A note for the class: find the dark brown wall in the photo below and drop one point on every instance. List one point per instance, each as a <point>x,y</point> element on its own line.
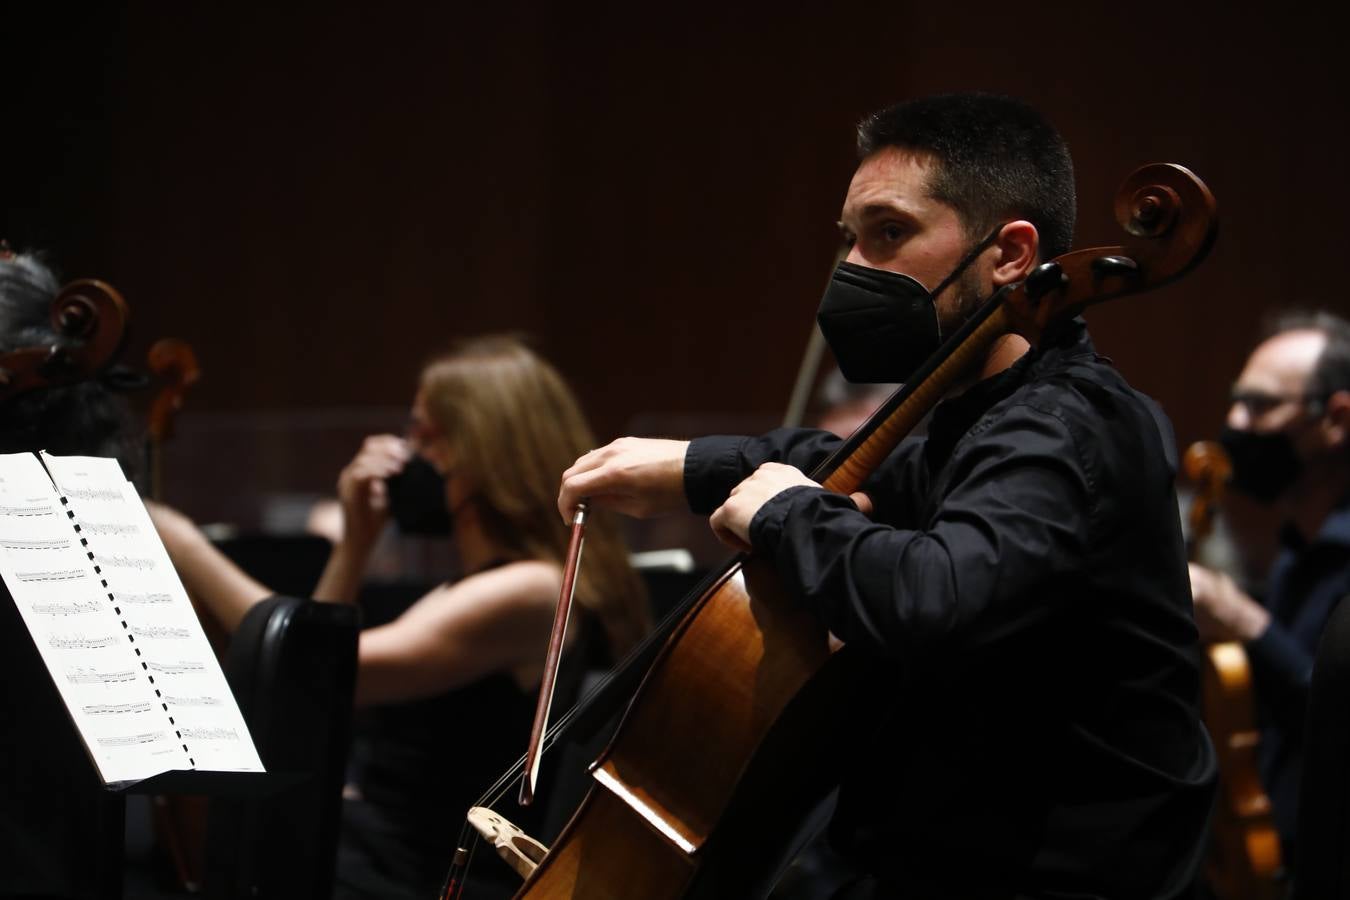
<point>317,201</point>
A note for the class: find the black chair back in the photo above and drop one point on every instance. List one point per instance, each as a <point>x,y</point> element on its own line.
<point>292,666</point>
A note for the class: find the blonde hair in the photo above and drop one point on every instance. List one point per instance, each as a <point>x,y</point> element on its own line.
<point>513,427</point>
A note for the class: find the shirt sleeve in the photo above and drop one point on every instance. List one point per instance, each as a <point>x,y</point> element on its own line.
<point>1017,511</point>
<point>714,465</point>
<point>1282,674</point>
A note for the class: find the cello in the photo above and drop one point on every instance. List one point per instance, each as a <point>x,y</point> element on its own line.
<point>745,694</point>
<point>1244,860</point>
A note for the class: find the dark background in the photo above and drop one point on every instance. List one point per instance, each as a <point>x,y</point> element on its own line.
<point>317,199</point>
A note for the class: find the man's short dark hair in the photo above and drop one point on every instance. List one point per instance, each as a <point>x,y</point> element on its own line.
<point>1332,370</point>
<point>997,159</point>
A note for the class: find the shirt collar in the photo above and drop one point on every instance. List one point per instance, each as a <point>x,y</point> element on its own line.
<point>954,417</point>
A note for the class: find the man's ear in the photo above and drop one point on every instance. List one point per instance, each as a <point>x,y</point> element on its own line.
<point>1336,420</point>
<point>1017,252</point>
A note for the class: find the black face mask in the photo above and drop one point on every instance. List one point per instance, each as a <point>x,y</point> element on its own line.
<point>417,499</point>
<point>1264,465</point>
<point>882,325</point>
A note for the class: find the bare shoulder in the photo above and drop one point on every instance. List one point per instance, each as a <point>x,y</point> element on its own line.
<point>527,580</point>
<point>526,584</point>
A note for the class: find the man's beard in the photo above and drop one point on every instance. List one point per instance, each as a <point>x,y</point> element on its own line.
<point>970,297</point>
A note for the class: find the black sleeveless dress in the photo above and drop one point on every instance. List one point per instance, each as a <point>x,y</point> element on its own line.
<point>418,766</point>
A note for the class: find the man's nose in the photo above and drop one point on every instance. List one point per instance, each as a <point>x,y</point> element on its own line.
<point>1238,417</point>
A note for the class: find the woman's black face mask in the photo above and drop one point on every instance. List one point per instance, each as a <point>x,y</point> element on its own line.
<point>882,325</point>
<point>417,499</point>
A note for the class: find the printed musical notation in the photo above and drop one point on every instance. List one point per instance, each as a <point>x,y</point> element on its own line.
<point>205,700</point>
<point>115,528</point>
<point>162,632</point>
<point>17,544</point>
<point>131,740</point>
<point>87,675</point>
<point>67,608</point>
<point>106,495</point>
<point>73,537</point>
<point>58,575</point>
<point>118,561</point>
<point>178,668</point>
<point>144,599</point>
<point>79,642</point>
<point>117,709</point>
<point>210,734</point>
<point>35,508</point>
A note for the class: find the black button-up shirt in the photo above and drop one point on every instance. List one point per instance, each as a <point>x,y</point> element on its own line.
<point>1022,599</point>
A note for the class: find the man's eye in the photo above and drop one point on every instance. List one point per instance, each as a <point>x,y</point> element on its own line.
<point>892,232</point>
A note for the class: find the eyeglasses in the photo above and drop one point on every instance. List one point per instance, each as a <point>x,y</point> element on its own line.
<point>1258,403</point>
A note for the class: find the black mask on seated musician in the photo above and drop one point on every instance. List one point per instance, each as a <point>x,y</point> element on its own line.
<point>1016,579</point>
<point>881,325</point>
<point>417,499</point>
<point>448,686</point>
<point>1287,433</point>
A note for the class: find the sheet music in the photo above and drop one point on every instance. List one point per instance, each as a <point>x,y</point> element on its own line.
<point>113,623</point>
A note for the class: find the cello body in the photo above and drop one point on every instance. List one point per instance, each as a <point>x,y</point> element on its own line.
<point>1244,861</point>
<point>665,783</point>
<point>740,724</point>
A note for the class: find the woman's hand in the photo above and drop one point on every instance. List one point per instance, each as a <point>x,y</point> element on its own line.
<point>361,487</point>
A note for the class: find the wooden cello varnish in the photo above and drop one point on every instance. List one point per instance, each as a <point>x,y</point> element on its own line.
<point>1244,861</point>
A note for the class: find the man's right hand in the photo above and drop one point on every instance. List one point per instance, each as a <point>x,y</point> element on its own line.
<point>1222,611</point>
<point>639,477</point>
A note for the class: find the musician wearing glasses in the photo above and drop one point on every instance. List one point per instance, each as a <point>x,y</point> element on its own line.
<point>1288,434</point>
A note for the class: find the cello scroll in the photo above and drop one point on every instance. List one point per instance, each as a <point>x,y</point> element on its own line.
<point>89,318</point>
<point>1170,223</point>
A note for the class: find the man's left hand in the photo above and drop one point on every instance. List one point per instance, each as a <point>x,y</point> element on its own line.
<point>731,521</point>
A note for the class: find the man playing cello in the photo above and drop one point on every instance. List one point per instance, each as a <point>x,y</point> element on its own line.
<point>1016,581</point>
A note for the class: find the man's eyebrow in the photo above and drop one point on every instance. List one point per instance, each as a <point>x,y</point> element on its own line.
<point>876,210</point>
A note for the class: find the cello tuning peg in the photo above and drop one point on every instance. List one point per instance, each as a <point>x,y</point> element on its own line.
<point>1107,266</point>
<point>1045,278</point>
